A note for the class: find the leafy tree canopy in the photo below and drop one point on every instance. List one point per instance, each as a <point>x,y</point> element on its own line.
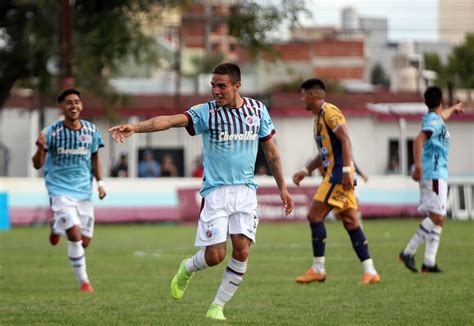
<point>461,63</point>
<point>106,33</point>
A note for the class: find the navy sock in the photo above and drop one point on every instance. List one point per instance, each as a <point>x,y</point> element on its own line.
<point>359,242</point>
<point>318,234</point>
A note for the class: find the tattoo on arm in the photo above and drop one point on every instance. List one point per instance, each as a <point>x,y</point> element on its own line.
<point>275,167</point>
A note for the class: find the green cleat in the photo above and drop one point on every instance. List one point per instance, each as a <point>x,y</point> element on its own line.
<point>180,281</point>
<point>215,312</point>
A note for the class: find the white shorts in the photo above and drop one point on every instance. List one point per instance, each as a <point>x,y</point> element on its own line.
<point>433,196</point>
<point>69,211</point>
<point>227,210</point>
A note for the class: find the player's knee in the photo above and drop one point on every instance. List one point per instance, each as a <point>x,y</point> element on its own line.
<point>350,222</point>
<point>214,257</point>
<point>74,234</point>
<point>241,254</point>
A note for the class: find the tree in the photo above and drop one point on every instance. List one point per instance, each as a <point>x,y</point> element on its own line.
<point>461,63</point>
<point>433,62</point>
<point>378,76</point>
<point>255,23</point>
<point>106,33</point>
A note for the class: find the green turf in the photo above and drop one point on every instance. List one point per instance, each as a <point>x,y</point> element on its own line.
<point>131,267</point>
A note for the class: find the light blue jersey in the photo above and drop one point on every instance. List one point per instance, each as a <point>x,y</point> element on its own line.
<point>68,169</point>
<point>230,139</point>
<point>436,147</point>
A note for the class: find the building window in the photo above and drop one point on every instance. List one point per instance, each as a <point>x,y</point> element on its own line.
<point>393,162</point>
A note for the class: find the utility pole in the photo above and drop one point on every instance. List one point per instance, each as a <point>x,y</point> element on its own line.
<point>66,44</point>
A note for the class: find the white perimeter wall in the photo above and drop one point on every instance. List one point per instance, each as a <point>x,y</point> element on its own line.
<point>370,141</point>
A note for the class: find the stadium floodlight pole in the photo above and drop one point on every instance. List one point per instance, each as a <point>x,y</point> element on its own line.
<point>66,44</point>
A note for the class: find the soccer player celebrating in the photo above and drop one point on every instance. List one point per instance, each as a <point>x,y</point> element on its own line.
<point>231,126</point>
<point>430,153</point>
<point>69,149</point>
<point>336,191</point>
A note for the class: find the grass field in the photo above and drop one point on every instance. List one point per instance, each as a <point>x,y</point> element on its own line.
<point>131,267</point>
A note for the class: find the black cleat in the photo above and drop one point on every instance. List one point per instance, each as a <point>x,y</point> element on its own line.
<point>408,261</point>
<point>431,269</point>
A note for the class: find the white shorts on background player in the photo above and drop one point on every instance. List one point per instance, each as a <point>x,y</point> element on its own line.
<point>69,211</point>
<point>227,210</point>
<point>433,196</point>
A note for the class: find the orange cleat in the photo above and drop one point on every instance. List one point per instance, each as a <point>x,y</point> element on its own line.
<point>86,287</point>
<point>310,276</point>
<point>54,238</point>
<point>368,278</point>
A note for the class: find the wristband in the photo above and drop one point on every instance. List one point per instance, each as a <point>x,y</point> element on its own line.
<point>305,170</point>
<point>100,183</point>
<point>346,169</point>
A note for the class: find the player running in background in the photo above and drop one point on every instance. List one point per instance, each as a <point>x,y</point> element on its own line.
<point>231,126</point>
<point>69,151</point>
<point>430,153</point>
<point>336,191</point>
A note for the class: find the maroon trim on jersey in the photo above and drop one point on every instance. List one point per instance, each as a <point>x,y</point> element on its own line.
<point>221,117</point>
<point>436,186</point>
<point>230,126</point>
<point>190,126</point>
<point>239,116</point>
<point>234,122</point>
<point>209,122</point>
<point>246,111</point>
<point>260,106</point>
<point>270,135</point>
<point>253,112</point>
<point>216,124</point>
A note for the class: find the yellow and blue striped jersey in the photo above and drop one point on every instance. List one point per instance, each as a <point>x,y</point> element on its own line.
<point>326,123</point>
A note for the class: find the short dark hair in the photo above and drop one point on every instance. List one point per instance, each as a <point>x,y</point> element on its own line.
<point>67,92</point>
<point>230,69</point>
<point>433,97</point>
<point>313,83</point>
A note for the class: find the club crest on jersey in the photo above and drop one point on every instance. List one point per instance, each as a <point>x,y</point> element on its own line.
<point>85,139</point>
<point>252,120</point>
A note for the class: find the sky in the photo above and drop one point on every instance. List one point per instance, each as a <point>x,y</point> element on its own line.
<point>407,19</point>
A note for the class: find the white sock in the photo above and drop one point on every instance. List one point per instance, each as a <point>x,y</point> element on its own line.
<point>432,245</point>
<point>233,275</point>
<point>197,262</point>
<point>318,264</point>
<point>421,233</point>
<point>369,267</point>
<point>77,258</point>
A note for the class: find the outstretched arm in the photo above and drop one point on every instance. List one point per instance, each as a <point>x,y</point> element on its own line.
<point>274,162</point>
<point>456,108</point>
<point>164,122</point>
